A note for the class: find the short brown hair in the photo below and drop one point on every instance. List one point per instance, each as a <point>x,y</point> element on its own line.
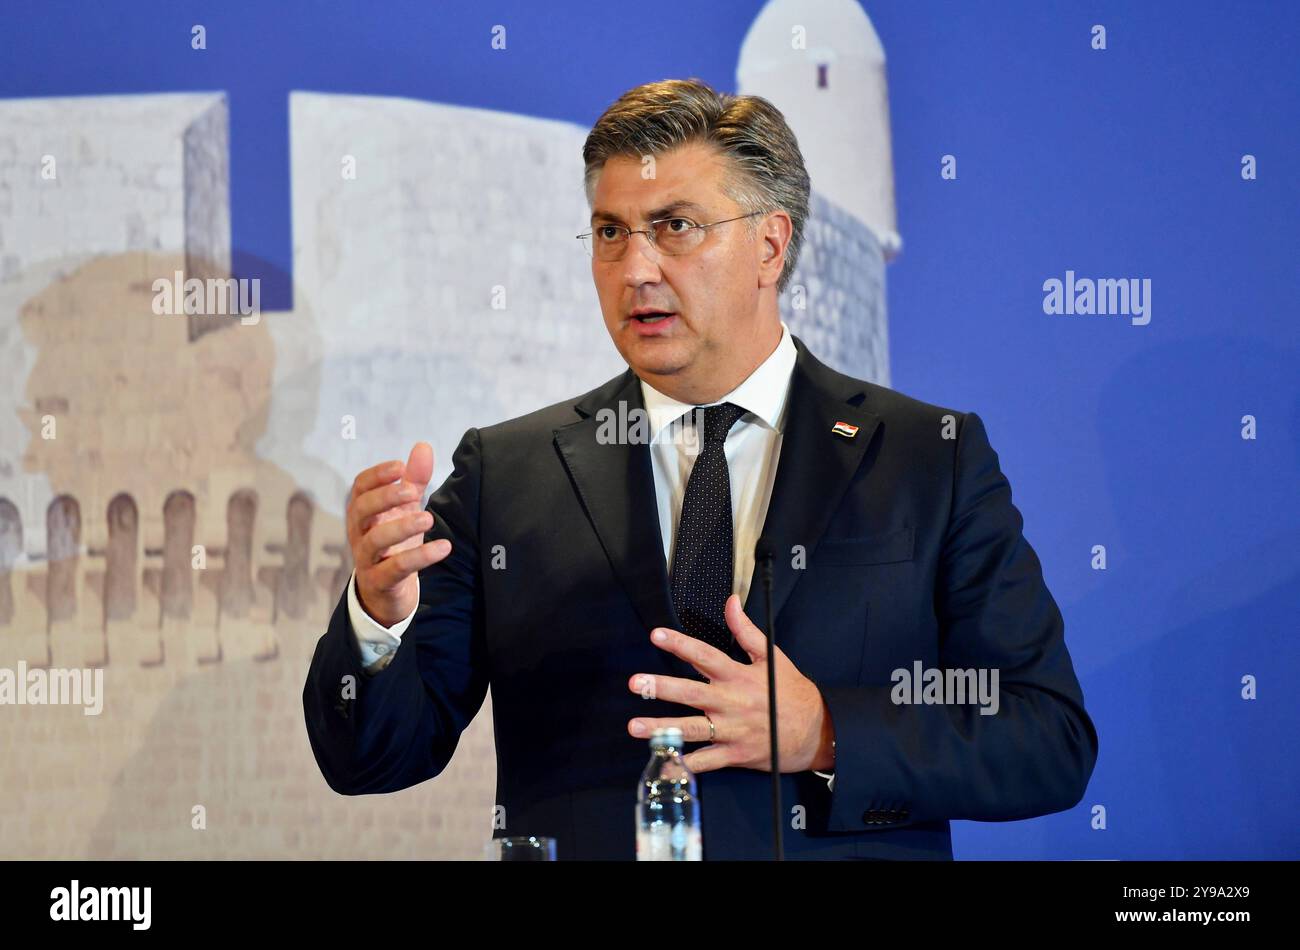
<point>751,132</point>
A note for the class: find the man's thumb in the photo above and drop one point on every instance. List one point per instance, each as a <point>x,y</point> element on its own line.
<point>419,467</point>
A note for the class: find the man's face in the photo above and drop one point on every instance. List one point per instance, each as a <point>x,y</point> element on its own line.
<point>711,292</point>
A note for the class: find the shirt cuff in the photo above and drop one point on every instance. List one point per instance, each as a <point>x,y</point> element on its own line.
<point>377,642</point>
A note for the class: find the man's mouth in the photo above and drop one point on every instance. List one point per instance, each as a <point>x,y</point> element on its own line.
<point>653,323</point>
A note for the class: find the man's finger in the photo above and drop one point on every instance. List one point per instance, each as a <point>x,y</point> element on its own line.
<point>419,466</point>
<point>365,507</point>
<point>673,689</point>
<point>389,534</point>
<point>373,477</point>
<point>709,660</point>
<point>393,569</point>
<point>708,759</point>
<point>694,728</point>
<point>751,639</point>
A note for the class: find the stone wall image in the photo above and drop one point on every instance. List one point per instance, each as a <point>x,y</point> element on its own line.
<point>146,440</point>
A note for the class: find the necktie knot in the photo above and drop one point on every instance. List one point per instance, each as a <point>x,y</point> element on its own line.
<point>718,421</point>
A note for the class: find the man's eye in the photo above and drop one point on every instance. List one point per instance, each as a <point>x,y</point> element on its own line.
<point>608,232</point>
<point>686,224</point>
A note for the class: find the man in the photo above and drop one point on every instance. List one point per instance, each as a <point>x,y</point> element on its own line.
<point>594,561</point>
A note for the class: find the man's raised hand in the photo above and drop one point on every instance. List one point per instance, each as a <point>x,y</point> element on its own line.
<point>386,524</point>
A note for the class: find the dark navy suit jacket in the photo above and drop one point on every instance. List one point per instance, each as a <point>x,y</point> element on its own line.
<point>912,550</point>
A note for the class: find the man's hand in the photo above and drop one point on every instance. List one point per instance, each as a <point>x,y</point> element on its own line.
<point>385,523</point>
<point>735,698</point>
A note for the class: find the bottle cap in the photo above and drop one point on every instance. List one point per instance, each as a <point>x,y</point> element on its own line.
<point>666,736</point>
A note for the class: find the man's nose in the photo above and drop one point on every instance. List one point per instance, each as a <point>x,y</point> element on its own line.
<point>640,260</point>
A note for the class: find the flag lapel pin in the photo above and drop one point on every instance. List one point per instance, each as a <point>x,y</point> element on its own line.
<point>844,429</point>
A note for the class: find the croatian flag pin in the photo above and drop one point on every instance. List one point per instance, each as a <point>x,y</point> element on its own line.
<point>844,429</point>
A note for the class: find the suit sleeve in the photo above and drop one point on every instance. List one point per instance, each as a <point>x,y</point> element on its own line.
<point>904,764</point>
<point>399,727</point>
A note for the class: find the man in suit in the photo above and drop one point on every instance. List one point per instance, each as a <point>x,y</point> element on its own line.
<point>594,561</point>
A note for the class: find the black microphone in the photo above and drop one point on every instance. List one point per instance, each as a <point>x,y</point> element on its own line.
<point>763,554</point>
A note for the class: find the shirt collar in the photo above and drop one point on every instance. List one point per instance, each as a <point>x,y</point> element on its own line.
<point>763,392</point>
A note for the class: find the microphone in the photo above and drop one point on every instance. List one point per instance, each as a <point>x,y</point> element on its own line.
<point>764,552</point>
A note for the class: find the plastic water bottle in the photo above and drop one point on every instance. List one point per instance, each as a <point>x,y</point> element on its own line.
<point>667,809</point>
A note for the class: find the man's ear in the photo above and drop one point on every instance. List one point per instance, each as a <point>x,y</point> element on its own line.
<point>774,233</point>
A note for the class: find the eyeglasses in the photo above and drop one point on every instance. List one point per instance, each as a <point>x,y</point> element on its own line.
<point>671,236</point>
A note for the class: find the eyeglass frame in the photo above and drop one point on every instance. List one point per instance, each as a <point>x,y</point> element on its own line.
<point>649,233</point>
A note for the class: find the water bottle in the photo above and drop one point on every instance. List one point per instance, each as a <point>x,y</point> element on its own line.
<point>667,809</point>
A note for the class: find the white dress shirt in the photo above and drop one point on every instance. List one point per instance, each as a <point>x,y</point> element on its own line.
<point>753,448</point>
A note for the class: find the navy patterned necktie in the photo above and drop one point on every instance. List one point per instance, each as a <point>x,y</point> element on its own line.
<point>702,553</point>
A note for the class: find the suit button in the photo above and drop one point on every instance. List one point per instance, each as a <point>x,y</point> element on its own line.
<point>342,708</point>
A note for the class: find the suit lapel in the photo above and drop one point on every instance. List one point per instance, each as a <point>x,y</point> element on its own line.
<point>812,474</point>
<point>615,483</point>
